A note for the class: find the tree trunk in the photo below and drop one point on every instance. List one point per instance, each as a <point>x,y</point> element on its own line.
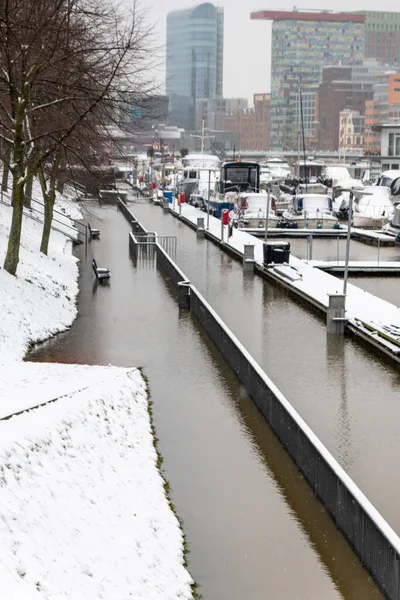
<point>28,193</point>
<point>12,256</point>
<point>62,173</point>
<point>48,218</point>
<point>49,197</point>
<point>18,187</point>
<point>6,170</point>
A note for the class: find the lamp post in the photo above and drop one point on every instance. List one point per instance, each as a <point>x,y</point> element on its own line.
<point>267,212</point>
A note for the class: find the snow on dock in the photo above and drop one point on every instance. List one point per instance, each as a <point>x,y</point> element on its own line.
<point>373,318</point>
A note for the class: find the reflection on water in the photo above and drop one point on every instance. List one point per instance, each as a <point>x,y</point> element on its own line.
<point>335,248</point>
<point>349,400</point>
<point>254,527</point>
<point>387,288</point>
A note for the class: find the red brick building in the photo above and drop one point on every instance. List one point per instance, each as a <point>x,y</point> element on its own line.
<point>252,124</point>
<point>337,92</point>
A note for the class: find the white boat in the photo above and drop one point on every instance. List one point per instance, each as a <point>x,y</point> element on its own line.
<point>373,207</point>
<point>339,176</point>
<point>250,211</point>
<point>393,227</point>
<point>199,171</point>
<point>391,180</point>
<point>311,211</point>
<point>278,168</point>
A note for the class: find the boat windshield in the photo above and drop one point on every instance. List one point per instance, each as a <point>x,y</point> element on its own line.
<point>241,175</point>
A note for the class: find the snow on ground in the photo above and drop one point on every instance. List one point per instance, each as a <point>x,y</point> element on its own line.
<point>312,282</point>
<point>83,512</point>
<point>40,301</point>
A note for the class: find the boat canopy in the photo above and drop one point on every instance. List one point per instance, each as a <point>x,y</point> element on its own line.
<point>313,202</point>
<point>375,196</point>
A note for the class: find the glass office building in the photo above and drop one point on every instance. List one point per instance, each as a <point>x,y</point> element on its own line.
<point>302,43</point>
<point>194,60</point>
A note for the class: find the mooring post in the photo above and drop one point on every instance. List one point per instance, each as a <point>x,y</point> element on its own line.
<point>184,294</point>
<point>200,228</point>
<point>248,258</point>
<point>336,320</point>
<point>165,204</point>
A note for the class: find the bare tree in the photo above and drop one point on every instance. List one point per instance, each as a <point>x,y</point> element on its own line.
<point>60,62</point>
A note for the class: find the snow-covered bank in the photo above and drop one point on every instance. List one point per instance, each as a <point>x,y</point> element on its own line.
<point>40,301</point>
<point>83,512</point>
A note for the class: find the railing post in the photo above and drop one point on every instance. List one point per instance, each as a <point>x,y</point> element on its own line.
<point>336,320</point>
<point>200,231</point>
<point>248,258</point>
<point>184,294</point>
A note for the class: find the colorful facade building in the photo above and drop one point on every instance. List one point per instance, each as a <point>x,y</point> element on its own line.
<point>194,65</point>
<point>302,43</point>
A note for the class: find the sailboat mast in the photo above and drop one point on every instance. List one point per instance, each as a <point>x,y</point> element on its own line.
<point>302,133</point>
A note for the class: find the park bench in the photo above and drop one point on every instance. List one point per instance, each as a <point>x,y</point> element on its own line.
<point>100,272</point>
<point>94,234</point>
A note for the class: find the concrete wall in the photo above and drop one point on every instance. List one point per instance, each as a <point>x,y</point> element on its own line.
<point>372,539</point>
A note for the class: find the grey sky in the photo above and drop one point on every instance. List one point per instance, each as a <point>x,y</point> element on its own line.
<point>247,43</point>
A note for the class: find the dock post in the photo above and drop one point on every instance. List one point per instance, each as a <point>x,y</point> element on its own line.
<point>336,320</point>
<point>200,231</point>
<point>248,258</point>
<point>165,204</point>
<point>184,294</point>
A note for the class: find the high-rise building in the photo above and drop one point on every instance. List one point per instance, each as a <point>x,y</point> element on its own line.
<point>382,36</point>
<point>194,60</point>
<point>303,42</point>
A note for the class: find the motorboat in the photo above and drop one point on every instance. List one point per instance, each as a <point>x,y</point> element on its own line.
<point>309,170</point>
<point>286,193</point>
<point>234,177</point>
<point>391,180</point>
<point>373,207</point>
<point>250,211</point>
<point>393,226</point>
<point>278,168</point>
<point>199,174</point>
<point>313,211</point>
<point>339,177</point>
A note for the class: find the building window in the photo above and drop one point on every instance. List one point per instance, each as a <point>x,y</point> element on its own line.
<point>394,144</point>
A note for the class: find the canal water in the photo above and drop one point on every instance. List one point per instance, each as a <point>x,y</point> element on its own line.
<point>334,249</point>
<point>348,395</point>
<point>253,526</point>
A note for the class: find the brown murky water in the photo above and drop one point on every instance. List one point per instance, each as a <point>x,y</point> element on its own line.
<point>253,525</point>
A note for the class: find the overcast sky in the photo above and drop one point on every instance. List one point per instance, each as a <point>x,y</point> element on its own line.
<point>247,43</point>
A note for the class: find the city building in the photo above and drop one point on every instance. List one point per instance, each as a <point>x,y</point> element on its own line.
<point>382,36</point>
<point>337,91</point>
<point>212,111</point>
<point>351,130</point>
<point>194,64</point>
<point>383,108</point>
<point>389,137</point>
<point>302,43</point>
<point>251,124</point>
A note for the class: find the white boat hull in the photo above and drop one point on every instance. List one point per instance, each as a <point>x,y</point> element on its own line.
<point>365,222</point>
<point>325,222</point>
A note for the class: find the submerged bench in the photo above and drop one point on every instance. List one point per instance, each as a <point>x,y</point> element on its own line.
<point>93,233</point>
<point>100,272</point>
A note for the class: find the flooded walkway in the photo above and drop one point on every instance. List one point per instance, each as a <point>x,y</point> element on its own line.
<point>253,526</point>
